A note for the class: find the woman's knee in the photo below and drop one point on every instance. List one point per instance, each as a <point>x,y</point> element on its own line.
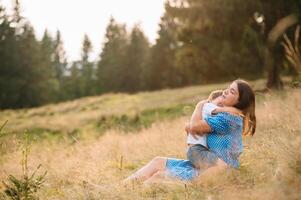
<point>158,174</point>
<point>159,162</point>
<point>221,164</point>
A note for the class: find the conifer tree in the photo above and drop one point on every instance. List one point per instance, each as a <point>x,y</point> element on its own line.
<point>9,83</point>
<point>87,82</point>
<point>162,71</point>
<point>72,83</point>
<point>59,65</point>
<point>33,90</point>
<point>109,68</point>
<point>22,77</point>
<point>46,56</point>
<point>134,68</point>
<point>59,62</point>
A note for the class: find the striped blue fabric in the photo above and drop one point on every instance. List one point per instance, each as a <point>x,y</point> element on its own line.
<point>180,169</point>
<point>225,138</point>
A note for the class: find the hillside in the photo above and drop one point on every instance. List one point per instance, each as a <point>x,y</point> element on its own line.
<point>87,167</point>
<point>74,115</point>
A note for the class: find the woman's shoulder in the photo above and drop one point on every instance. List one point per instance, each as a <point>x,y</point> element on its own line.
<point>225,123</point>
<point>229,115</point>
<point>226,117</point>
<point>232,115</point>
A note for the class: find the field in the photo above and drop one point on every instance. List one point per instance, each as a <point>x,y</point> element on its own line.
<point>89,145</point>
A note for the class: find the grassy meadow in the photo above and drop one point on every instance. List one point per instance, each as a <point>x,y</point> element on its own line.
<point>88,146</point>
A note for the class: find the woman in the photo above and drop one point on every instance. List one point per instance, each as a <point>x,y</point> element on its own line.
<point>224,138</point>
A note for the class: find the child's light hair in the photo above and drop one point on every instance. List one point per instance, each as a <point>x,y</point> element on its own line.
<point>214,94</point>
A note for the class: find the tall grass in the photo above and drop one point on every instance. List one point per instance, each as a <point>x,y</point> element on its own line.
<point>92,168</point>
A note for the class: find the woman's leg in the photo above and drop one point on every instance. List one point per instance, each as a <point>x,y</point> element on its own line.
<point>155,165</point>
<point>158,176</point>
<point>201,157</point>
<point>213,171</point>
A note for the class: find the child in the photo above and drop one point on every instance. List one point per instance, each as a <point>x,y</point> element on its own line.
<point>208,107</point>
<point>198,153</point>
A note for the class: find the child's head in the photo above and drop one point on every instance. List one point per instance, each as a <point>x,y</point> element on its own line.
<point>214,96</point>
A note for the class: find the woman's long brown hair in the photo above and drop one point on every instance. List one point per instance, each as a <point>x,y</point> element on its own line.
<point>246,103</point>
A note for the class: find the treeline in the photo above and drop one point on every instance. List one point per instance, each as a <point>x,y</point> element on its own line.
<point>198,42</point>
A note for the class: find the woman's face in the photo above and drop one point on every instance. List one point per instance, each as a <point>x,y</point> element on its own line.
<point>230,95</point>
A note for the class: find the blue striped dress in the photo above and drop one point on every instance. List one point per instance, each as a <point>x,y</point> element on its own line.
<point>225,140</point>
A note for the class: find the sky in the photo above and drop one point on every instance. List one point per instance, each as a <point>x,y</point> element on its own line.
<point>74,18</point>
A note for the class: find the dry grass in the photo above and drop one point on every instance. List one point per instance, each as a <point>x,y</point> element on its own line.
<point>93,168</point>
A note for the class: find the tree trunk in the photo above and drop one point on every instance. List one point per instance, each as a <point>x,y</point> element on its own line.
<point>273,64</point>
<point>272,60</point>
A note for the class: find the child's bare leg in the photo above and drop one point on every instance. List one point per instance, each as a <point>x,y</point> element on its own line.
<point>158,176</point>
<point>155,165</point>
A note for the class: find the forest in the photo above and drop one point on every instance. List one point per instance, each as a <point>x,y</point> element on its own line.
<point>199,42</point>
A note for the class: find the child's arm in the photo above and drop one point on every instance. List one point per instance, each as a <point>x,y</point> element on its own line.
<point>231,110</point>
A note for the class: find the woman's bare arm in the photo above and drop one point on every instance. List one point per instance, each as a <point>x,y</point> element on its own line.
<point>197,125</point>
<point>197,113</point>
<point>200,127</point>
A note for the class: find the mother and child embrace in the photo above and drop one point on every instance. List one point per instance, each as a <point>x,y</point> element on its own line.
<point>214,137</point>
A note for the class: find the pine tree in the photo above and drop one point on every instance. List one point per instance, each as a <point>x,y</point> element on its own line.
<point>162,72</point>
<point>72,82</point>
<point>47,55</point>
<point>9,83</point>
<point>87,82</point>
<point>134,68</point>
<point>59,62</point>
<point>109,68</point>
<point>22,76</point>
<point>59,65</point>
<point>33,91</point>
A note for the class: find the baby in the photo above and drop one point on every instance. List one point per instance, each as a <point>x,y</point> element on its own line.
<point>198,153</point>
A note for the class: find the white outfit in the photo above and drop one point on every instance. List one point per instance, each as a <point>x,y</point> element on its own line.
<point>207,110</point>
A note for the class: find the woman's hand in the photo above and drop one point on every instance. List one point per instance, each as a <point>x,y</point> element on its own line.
<point>194,128</point>
<point>200,127</point>
<point>197,125</point>
<point>189,130</point>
